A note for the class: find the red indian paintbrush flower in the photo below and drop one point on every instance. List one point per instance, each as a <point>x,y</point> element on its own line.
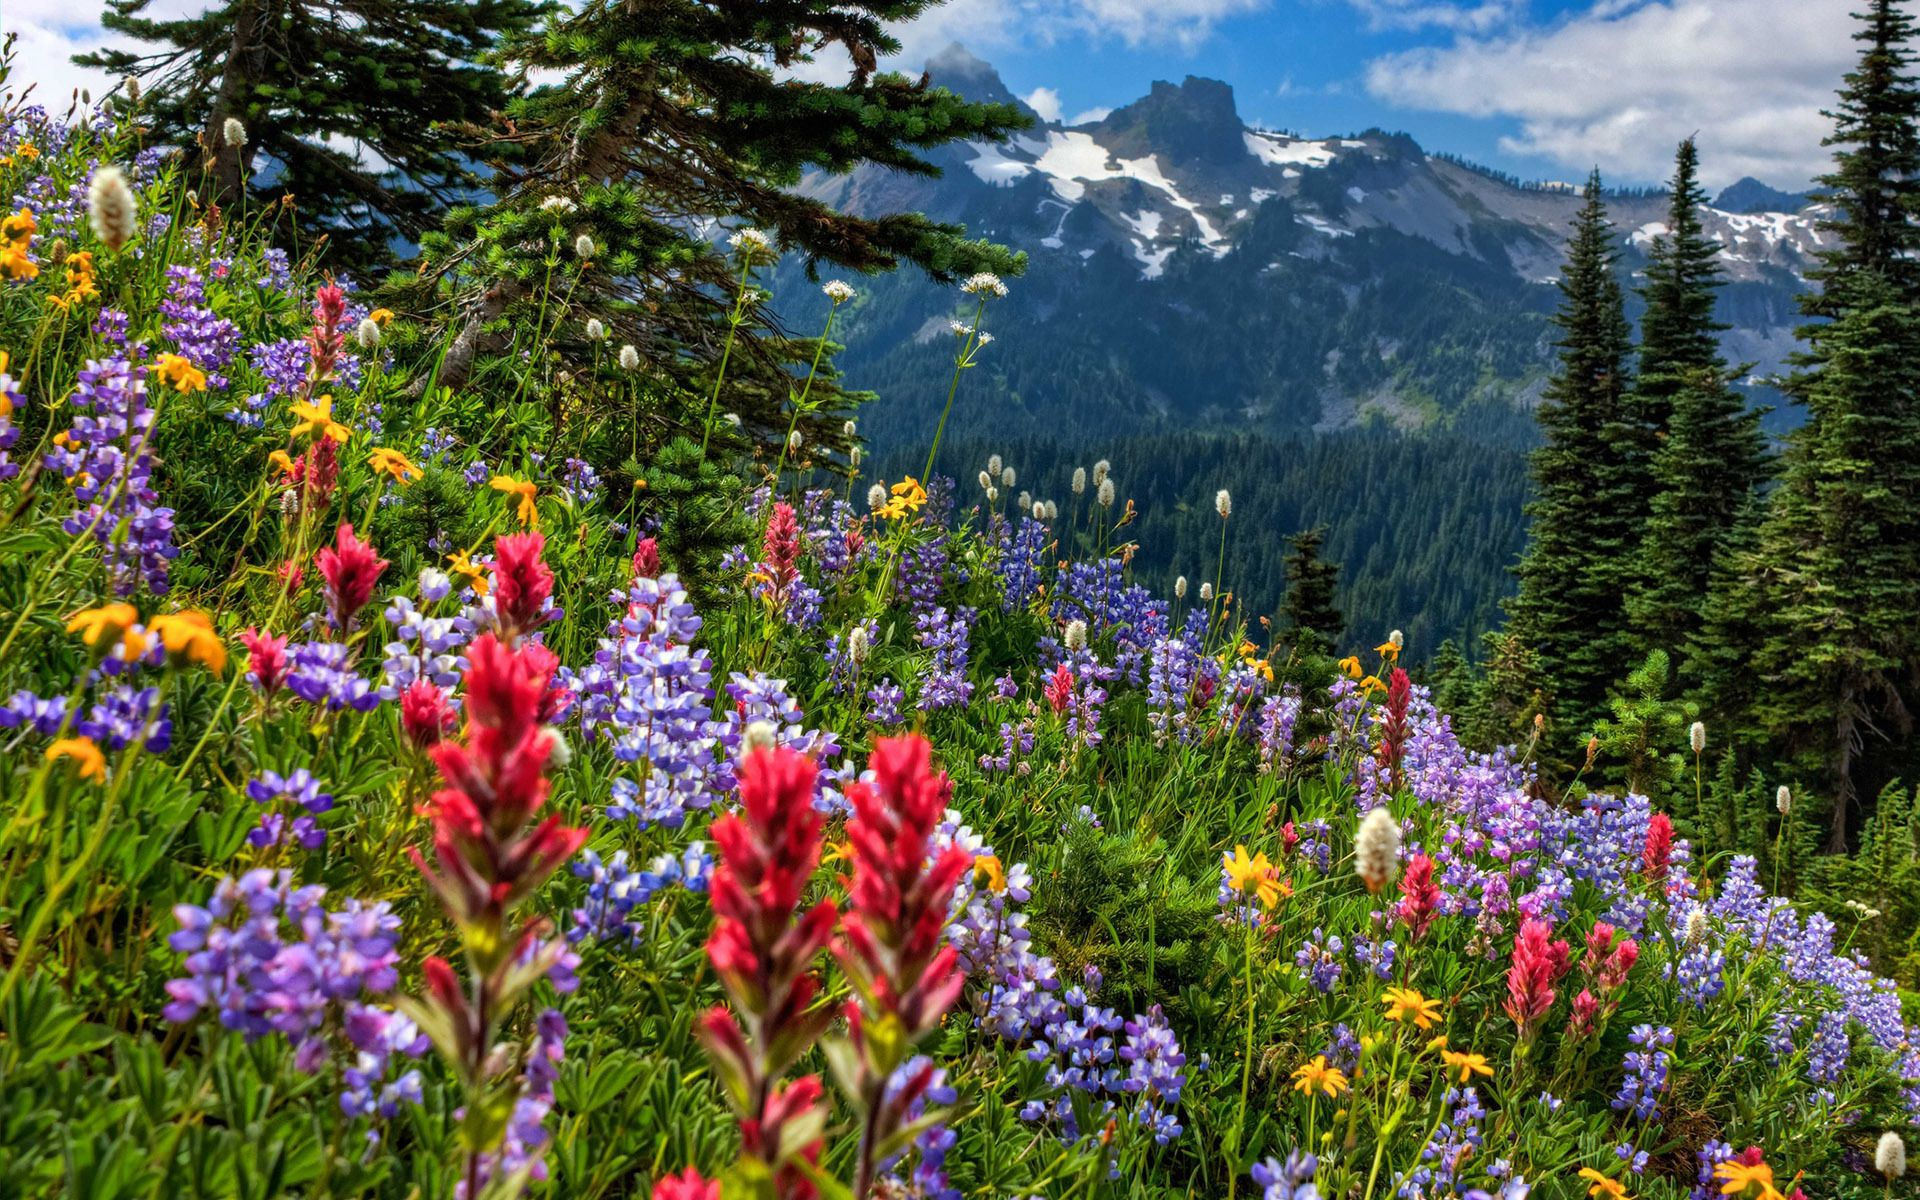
<point>1419,895</point>
<point>1659,849</point>
<point>905,976</point>
<point>688,1185</point>
<point>320,467</point>
<point>266,659</point>
<point>426,715</point>
<point>487,858</point>
<point>780,548</point>
<point>646,559</point>
<point>1396,728</point>
<point>522,583</point>
<point>1538,963</point>
<point>1059,689</point>
<point>350,568</point>
<point>763,951</point>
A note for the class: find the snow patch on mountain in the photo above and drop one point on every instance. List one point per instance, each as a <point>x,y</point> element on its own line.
<point>1277,150</point>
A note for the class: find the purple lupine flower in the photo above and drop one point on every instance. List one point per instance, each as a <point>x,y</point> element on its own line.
<point>1289,1180</point>
<point>1646,1068</point>
<point>383,1040</point>
<point>524,1144</point>
<point>1454,1140</point>
<point>945,683</point>
<point>1154,1061</point>
<point>23,709</point>
<point>1320,957</point>
<point>126,715</point>
<point>109,465</point>
<point>266,957</point>
<point>615,890</point>
<point>322,673</point>
<point>276,793</point>
<point>1022,559</point>
<point>203,338</point>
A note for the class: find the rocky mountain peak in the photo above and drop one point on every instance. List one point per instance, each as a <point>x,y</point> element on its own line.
<point>1190,123</point>
<point>965,73</point>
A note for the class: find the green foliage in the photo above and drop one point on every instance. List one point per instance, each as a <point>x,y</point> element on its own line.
<point>351,108</point>
<point>1642,741</point>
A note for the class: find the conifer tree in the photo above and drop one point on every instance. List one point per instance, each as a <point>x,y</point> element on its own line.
<point>1590,486</point>
<point>676,120</point>
<point>1708,454</point>
<point>1833,577</point>
<point>345,106</point>
<point>1306,611</point>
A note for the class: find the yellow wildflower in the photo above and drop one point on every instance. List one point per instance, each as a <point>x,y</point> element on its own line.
<point>1350,666</point>
<point>81,285</point>
<point>317,418</point>
<point>988,869</point>
<point>526,511</point>
<point>1319,1076</point>
<point>1407,1005</point>
<point>190,636</point>
<point>1602,1186</point>
<point>86,757</point>
<point>16,245</point>
<point>380,316</point>
<point>281,459</point>
<point>394,463</point>
<point>1372,684</point>
<point>99,627</point>
<point>1736,1177</point>
<point>183,375</point>
<point>1255,875</point>
<point>1468,1065</point>
<point>475,575</point>
<point>1387,650</point>
<point>908,497</point>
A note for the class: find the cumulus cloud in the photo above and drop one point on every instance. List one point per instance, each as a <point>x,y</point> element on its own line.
<point>1475,16</point>
<point>986,25</point>
<point>1044,101</point>
<point>1620,84</point>
<point>53,31</point>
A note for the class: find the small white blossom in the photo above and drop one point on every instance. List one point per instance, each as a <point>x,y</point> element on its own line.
<point>1180,588</point>
<point>1696,935</point>
<point>559,754</point>
<point>1053,511</point>
<point>110,207</point>
<point>858,644</point>
<point>1026,500</point>
<point>1890,1156</point>
<point>1101,470</point>
<point>759,736</point>
<point>367,334</point>
<point>986,481</point>
<point>1039,511</point>
<point>794,441</point>
<point>596,330</point>
<point>1697,736</point>
<point>731,418</point>
<point>1376,849</point>
<point>959,328</point>
<point>1105,495</point>
<point>1076,635</point>
<point>234,133</point>
<point>583,246</point>
<point>558,204</point>
<point>1397,640</point>
<point>1783,800</point>
<point>751,243</point>
<point>1223,503</point>
<point>986,283</point>
<point>1008,477</point>
<point>984,338</point>
<point>1206,593</point>
<point>1079,481</point>
<point>838,290</point>
<point>993,495</point>
<point>629,358</point>
<point>848,429</point>
<point>993,464</point>
<point>877,496</point>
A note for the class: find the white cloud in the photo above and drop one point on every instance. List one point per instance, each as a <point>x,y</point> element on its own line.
<point>986,25</point>
<point>1621,84</point>
<point>1045,101</point>
<point>51,33</point>
<point>1098,112</point>
<point>1475,16</point>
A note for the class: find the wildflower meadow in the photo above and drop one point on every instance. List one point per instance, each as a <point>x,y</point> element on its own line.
<point>421,790</point>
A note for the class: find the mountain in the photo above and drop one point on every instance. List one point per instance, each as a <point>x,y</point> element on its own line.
<point>1190,275</point>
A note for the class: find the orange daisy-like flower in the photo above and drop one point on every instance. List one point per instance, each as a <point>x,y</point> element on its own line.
<point>317,419</point>
<point>527,512</point>
<point>1256,876</point>
<point>1408,1006</point>
<point>392,463</point>
<point>1602,1186</point>
<point>1468,1065</point>
<point>180,374</point>
<point>190,636</point>
<point>1736,1177</point>
<point>85,756</point>
<point>99,627</point>
<point>1319,1076</point>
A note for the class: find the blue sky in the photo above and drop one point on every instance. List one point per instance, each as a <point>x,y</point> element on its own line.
<point>1541,88</point>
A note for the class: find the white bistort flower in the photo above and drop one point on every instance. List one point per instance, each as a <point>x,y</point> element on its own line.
<point>1890,1156</point>
<point>986,283</point>
<point>751,243</point>
<point>558,204</point>
<point>629,358</point>
<point>1079,481</point>
<point>1105,495</point>
<point>596,330</point>
<point>583,246</point>
<point>1223,503</point>
<point>1076,637</point>
<point>838,290</point>
<point>233,132</point>
<point>877,496</point>
<point>367,334</point>
<point>110,207</point>
<point>1376,849</point>
<point>1697,736</point>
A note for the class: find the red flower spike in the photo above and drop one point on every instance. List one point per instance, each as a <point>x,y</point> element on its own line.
<point>688,1185</point>
<point>1537,965</point>
<point>1659,849</point>
<point>763,956</point>
<point>1419,895</point>
<point>1059,690</point>
<point>1396,729</point>
<point>350,568</point>
<point>780,550</point>
<point>266,659</point>
<point>522,583</point>
<point>426,715</point>
<point>320,466</point>
<point>1586,1010</point>
<point>646,559</point>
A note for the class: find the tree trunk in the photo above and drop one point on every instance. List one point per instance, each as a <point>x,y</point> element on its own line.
<point>239,73</point>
